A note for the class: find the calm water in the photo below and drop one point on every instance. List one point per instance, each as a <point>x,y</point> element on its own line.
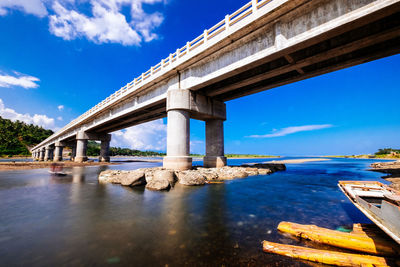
<point>74,221</point>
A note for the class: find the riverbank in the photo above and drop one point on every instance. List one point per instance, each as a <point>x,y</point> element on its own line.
<point>363,157</point>
<point>296,161</point>
<point>391,168</point>
<point>11,166</point>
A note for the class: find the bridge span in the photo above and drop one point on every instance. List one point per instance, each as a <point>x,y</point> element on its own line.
<point>264,44</point>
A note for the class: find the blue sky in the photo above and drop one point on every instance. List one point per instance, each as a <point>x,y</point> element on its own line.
<point>61,57</point>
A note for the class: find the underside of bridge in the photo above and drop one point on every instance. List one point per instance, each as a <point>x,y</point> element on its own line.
<point>299,39</point>
<point>341,48</point>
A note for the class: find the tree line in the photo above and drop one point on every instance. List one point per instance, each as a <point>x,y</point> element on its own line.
<point>93,149</point>
<point>16,138</point>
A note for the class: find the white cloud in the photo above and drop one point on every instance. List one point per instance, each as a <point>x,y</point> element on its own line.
<point>37,119</point>
<point>103,22</point>
<point>59,118</point>
<point>292,130</point>
<point>34,7</point>
<point>147,136</point>
<point>19,79</point>
<point>60,107</point>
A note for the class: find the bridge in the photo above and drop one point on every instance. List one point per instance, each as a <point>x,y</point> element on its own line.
<point>263,45</point>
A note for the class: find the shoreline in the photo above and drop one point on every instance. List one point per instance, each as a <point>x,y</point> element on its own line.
<point>296,161</point>
<point>12,166</point>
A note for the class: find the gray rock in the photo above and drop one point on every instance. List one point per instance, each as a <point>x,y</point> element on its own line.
<point>167,175</point>
<point>158,185</point>
<point>133,178</point>
<point>191,177</point>
<point>229,173</point>
<point>264,171</point>
<point>251,171</point>
<point>110,176</point>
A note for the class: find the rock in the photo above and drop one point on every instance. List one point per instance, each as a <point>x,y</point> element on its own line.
<point>272,166</point>
<point>209,173</point>
<point>158,185</point>
<point>110,176</point>
<point>167,175</point>
<point>133,178</point>
<point>251,171</point>
<point>191,177</point>
<point>229,173</point>
<point>264,171</point>
<point>149,173</point>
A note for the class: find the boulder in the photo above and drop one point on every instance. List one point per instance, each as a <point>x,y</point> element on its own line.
<point>251,171</point>
<point>158,185</point>
<point>229,173</point>
<point>110,176</point>
<point>191,177</point>
<point>264,171</point>
<point>149,173</point>
<point>167,175</point>
<point>209,173</point>
<point>133,178</point>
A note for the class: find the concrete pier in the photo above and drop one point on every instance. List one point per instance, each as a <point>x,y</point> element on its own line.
<point>48,153</point>
<point>81,147</point>
<point>178,141</point>
<point>214,144</point>
<point>105,150</point>
<point>41,154</point>
<point>73,152</point>
<point>58,152</point>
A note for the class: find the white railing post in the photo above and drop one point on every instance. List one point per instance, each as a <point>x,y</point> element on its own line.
<point>254,6</point>
<point>187,47</point>
<point>205,35</point>
<point>177,54</point>
<point>227,20</point>
<point>151,70</point>
<point>142,77</point>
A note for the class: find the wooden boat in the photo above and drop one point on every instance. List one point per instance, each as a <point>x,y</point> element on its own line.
<point>378,202</point>
<point>325,256</point>
<point>358,240</point>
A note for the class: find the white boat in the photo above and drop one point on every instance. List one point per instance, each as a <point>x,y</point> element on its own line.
<point>380,203</point>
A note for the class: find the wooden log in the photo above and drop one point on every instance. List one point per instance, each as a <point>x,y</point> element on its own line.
<point>358,242</point>
<point>326,257</point>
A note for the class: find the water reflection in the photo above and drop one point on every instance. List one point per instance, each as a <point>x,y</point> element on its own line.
<point>74,220</point>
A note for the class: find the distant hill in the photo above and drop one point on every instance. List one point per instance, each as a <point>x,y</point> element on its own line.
<point>17,137</point>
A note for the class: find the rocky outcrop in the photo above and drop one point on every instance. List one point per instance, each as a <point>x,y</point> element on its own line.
<point>392,168</point>
<point>133,178</point>
<point>158,185</point>
<point>162,179</point>
<point>191,177</point>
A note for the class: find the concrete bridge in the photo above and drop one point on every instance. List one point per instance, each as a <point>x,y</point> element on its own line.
<point>265,44</point>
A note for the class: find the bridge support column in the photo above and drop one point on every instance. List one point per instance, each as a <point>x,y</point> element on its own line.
<point>73,152</point>
<point>81,147</point>
<point>178,141</point>
<point>214,144</point>
<point>58,152</point>
<point>41,154</point>
<point>105,150</point>
<point>48,153</point>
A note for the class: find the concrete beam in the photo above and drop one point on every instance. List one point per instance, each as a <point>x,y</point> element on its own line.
<point>200,107</point>
<point>92,136</point>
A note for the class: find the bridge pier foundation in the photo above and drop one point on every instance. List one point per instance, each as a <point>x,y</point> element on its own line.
<point>81,147</point>
<point>214,144</point>
<point>178,141</point>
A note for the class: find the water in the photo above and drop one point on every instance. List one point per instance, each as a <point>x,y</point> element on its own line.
<point>74,221</point>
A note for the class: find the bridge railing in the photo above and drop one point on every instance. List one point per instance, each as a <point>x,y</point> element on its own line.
<point>248,9</point>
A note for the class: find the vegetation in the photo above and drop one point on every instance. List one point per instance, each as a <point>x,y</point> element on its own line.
<point>382,153</point>
<point>93,149</point>
<point>386,151</point>
<point>17,137</point>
